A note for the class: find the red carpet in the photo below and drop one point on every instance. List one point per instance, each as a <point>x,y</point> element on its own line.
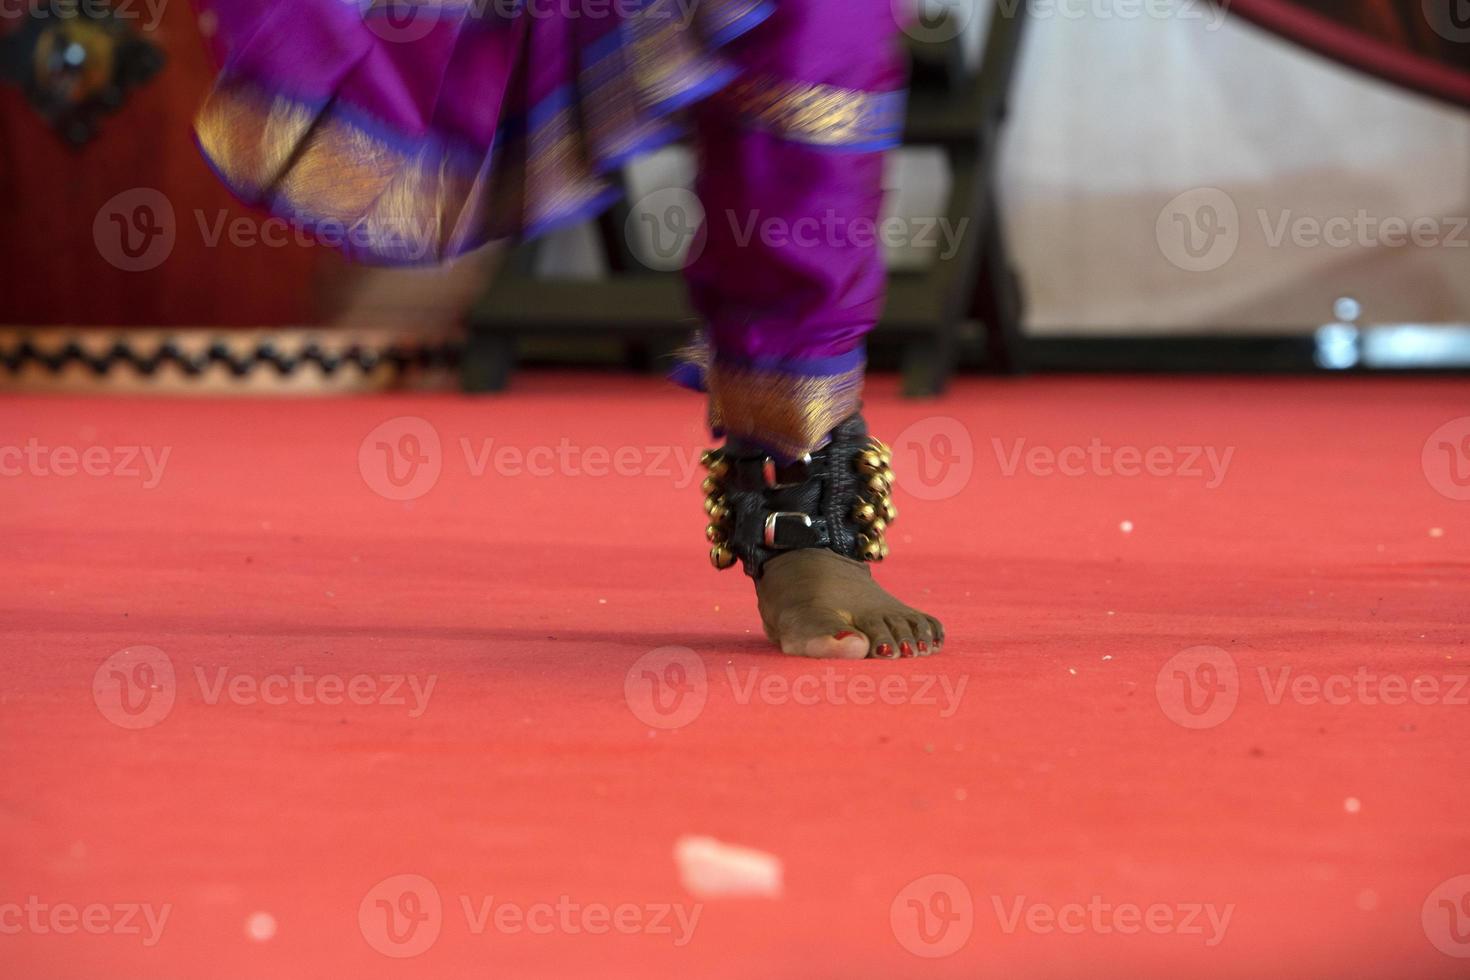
<point>1291,800</point>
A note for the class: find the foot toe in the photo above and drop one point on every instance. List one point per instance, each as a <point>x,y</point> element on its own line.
<point>881,640</point>
<point>924,638</point>
<point>903,632</point>
<point>821,634</point>
<point>937,628</point>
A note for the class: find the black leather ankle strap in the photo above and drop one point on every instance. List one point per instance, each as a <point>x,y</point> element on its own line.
<point>836,498</point>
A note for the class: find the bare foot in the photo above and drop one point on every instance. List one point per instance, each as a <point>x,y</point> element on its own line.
<point>816,603</point>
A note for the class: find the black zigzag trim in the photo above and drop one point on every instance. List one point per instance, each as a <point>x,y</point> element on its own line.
<point>264,355</point>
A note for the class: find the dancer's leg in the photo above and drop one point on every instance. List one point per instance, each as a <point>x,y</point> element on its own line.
<point>789,282</point>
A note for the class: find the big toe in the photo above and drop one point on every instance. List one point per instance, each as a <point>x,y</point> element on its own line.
<point>821,633</point>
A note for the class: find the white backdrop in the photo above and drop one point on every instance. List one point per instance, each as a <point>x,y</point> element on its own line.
<point>1115,117</point>
<point>1301,181</point>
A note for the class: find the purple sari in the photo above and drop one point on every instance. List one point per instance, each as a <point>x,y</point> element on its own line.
<point>410,131</point>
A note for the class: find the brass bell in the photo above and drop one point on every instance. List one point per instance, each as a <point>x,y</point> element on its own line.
<point>878,527</point>
<point>864,512</point>
<point>708,457</point>
<point>870,548</point>
<point>883,550</point>
<point>715,533</point>
<point>716,509</point>
<point>890,511</point>
<point>721,557</point>
<point>719,468</point>
<point>879,485</point>
<point>869,463</point>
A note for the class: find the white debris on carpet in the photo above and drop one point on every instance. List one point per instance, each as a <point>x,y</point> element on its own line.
<point>710,868</point>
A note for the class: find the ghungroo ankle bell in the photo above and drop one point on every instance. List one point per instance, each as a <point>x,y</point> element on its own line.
<point>839,498</point>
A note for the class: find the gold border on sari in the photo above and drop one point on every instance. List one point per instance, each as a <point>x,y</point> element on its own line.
<point>826,115</point>
<point>787,413</point>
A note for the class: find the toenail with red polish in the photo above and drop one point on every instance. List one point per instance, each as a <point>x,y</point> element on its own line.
<point>843,635</point>
<point>884,650</point>
<point>923,647</point>
<point>904,650</point>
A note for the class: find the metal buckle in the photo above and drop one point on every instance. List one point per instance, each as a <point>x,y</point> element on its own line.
<point>770,472</point>
<point>771,518</point>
